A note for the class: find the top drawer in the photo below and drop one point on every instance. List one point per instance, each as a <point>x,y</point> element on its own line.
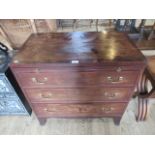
<point>70,78</point>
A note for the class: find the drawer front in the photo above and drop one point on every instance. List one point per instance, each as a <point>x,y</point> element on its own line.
<point>76,78</point>
<point>64,67</point>
<point>11,106</point>
<point>79,110</point>
<point>68,95</point>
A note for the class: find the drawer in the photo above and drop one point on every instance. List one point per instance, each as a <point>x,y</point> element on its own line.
<point>79,110</point>
<point>77,95</point>
<point>50,67</point>
<point>76,78</point>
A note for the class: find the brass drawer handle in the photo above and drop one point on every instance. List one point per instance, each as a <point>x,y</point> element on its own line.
<point>108,109</point>
<point>39,81</point>
<point>119,69</point>
<point>49,95</point>
<point>50,110</point>
<point>116,79</point>
<point>83,109</point>
<point>110,95</point>
<point>37,70</point>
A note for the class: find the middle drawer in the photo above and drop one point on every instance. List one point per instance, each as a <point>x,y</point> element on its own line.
<point>83,94</point>
<point>76,78</point>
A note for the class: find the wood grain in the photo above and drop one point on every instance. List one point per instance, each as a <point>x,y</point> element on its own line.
<point>84,47</point>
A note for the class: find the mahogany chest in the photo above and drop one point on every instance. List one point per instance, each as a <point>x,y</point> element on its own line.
<point>78,74</point>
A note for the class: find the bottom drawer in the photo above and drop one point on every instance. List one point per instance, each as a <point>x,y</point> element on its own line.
<point>79,110</point>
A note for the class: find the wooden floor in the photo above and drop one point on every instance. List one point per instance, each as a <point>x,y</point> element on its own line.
<point>29,125</point>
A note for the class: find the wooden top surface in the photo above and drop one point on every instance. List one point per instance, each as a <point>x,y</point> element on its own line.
<point>81,47</point>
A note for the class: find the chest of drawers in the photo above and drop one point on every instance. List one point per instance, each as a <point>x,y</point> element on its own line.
<point>80,74</point>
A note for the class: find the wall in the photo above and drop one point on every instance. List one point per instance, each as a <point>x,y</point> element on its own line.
<point>18,30</point>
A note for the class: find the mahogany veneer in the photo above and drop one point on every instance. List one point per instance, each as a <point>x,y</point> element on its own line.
<point>79,110</point>
<point>79,74</point>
